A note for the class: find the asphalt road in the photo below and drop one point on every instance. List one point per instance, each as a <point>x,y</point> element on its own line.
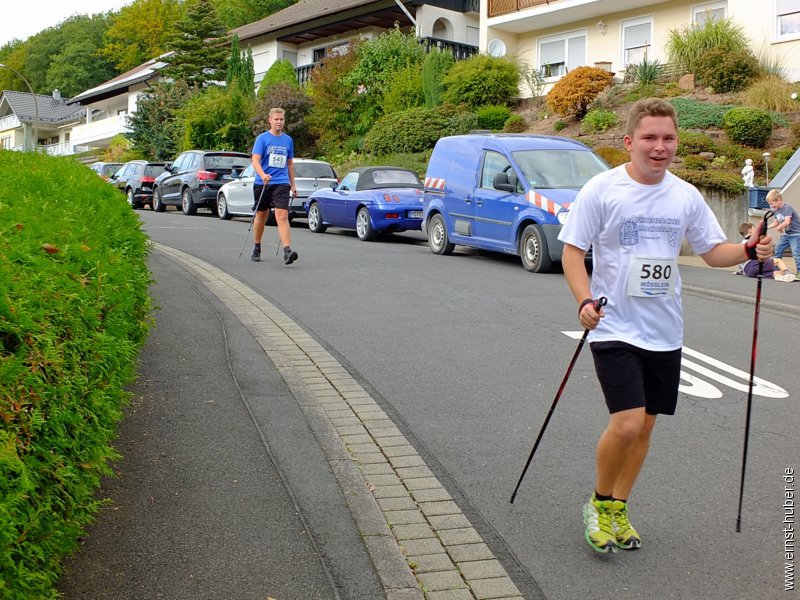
<point>466,353</point>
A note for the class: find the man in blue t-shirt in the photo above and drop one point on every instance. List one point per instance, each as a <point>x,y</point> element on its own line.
<point>787,222</point>
<point>274,184</point>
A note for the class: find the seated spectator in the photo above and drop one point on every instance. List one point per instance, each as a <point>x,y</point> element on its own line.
<point>773,267</point>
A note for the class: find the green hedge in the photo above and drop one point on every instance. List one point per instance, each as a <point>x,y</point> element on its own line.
<point>74,310</point>
<point>417,129</point>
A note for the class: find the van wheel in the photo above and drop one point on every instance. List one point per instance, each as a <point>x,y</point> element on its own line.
<point>158,205</point>
<point>533,250</point>
<point>437,236</point>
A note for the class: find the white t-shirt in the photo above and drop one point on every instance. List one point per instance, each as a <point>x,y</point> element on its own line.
<point>635,232</point>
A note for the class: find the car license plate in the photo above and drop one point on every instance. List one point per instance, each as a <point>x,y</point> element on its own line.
<point>415,214</point>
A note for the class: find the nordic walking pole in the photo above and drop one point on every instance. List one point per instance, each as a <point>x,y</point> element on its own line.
<point>761,229</point>
<point>598,304</point>
<point>247,235</point>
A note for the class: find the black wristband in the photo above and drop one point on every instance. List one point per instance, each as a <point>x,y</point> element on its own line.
<point>584,303</point>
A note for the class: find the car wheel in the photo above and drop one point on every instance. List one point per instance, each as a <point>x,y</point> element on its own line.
<point>437,236</point>
<point>131,200</point>
<point>187,203</point>
<point>158,205</point>
<point>222,208</point>
<point>533,250</point>
<point>364,229</point>
<point>315,223</point>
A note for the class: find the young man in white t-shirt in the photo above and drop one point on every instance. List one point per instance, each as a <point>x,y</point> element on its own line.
<point>635,218</point>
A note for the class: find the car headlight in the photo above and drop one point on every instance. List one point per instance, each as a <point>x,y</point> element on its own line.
<point>562,216</point>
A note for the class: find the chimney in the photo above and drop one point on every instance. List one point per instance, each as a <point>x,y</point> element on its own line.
<point>56,94</point>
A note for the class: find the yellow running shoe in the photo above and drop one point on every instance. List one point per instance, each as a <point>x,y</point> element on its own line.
<point>626,536</point>
<point>597,516</point>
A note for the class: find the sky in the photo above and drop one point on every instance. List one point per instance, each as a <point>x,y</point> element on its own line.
<point>24,18</point>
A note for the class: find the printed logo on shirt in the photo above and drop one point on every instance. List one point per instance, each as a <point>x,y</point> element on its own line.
<point>632,229</point>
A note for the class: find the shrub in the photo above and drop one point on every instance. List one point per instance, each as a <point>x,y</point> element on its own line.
<point>573,93</point>
<point>481,80</point>
<point>686,45</point>
<point>416,129</point>
<point>646,72</point>
<point>613,156</point>
<point>711,178</point>
<point>695,162</point>
<point>795,129</point>
<point>281,71</point>
<point>416,161</point>
<point>770,93</point>
<point>748,126</point>
<point>515,124</point>
<point>332,117</point>
<point>693,114</point>
<point>599,120</point>
<point>406,90</point>
<point>296,105</point>
<point>648,90</point>
<point>434,68</point>
<point>727,70</point>
<point>694,142</point>
<point>493,116</point>
<point>74,310</point>
<point>779,158</point>
<point>217,118</point>
<point>560,125</point>
<point>535,80</point>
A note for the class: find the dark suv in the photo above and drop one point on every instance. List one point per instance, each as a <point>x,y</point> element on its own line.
<point>194,179</point>
<point>135,179</point>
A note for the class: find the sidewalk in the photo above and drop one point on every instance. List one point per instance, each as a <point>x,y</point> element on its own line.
<point>199,509</point>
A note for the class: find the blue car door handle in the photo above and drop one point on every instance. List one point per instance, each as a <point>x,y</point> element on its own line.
<point>468,200</point>
<point>479,202</point>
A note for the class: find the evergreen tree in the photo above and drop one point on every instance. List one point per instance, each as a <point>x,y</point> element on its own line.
<point>234,62</point>
<point>153,128</point>
<point>199,46</point>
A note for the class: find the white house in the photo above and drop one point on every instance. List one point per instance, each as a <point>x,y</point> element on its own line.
<point>105,108</point>
<point>558,35</point>
<point>306,32</point>
<point>50,117</point>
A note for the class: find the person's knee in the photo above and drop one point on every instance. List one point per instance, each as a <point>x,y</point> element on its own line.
<point>281,215</point>
<point>628,425</point>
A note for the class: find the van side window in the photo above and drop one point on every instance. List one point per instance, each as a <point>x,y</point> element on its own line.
<point>493,163</point>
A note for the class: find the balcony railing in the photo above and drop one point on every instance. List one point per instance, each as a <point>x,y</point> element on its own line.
<point>460,52</point>
<point>9,122</point>
<point>501,7</point>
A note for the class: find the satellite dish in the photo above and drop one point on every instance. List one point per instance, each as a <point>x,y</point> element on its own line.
<point>497,48</point>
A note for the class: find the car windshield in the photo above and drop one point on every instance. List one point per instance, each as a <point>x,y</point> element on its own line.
<point>226,161</point>
<point>110,169</point>
<point>313,170</point>
<point>390,178</point>
<point>557,169</point>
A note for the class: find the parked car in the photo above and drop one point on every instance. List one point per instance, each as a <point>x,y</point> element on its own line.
<point>135,179</point>
<point>369,200</point>
<point>309,176</point>
<point>236,197</point>
<point>194,179</point>
<point>105,169</point>
<point>505,192</point>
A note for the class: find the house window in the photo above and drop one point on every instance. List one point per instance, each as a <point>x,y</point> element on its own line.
<point>558,54</point>
<point>5,143</point>
<point>338,50</point>
<point>637,38</point>
<point>711,10</point>
<point>788,13</point>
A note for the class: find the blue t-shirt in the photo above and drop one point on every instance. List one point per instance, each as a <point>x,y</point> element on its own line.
<point>275,152</point>
<point>787,211</point>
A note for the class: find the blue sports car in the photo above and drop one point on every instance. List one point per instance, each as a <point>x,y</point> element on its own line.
<point>369,200</point>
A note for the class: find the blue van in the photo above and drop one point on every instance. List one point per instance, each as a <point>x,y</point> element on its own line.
<point>505,192</point>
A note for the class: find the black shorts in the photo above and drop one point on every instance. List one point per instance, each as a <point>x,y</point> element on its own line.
<point>633,378</point>
<point>275,196</point>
